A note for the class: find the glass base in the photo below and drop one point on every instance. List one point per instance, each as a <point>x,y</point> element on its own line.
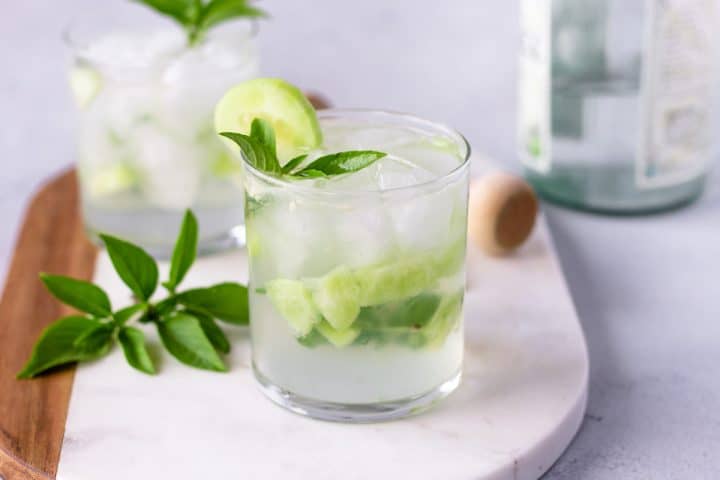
<point>355,413</point>
<point>234,238</point>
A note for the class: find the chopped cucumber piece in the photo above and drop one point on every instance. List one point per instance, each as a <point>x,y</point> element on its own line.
<point>113,179</point>
<point>337,296</point>
<point>394,281</point>
<point>283,105</point>
<point>85,83</point>
<point>339,338</point>
<point>451,260</point>
<point>292,299</point>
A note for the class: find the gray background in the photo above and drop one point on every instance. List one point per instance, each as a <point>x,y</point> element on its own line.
<point>646,289</point>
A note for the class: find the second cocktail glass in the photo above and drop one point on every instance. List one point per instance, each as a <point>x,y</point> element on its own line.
<point>147,145</point>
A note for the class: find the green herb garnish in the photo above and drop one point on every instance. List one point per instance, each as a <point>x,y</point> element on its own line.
<point>186,320</point>
<point>403,322</point>
<point>198,16</point>
<point>259,150</point>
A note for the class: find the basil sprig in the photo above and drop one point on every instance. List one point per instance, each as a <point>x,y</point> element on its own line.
<point>198,16</point>
<point>259,149</point>
<point>186,320</point>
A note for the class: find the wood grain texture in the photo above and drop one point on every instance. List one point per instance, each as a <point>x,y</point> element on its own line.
<point>33,412</point>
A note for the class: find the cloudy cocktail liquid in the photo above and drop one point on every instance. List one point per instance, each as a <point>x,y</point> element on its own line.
<point>357,281</point>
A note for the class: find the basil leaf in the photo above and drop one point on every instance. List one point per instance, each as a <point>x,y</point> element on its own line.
<point>263,133</point>
<point>401,322</point>
<point>165,306</point>
<point>212,331</point>
<point>185,340</point>
<point>246,145</point>
<point>181,11</point>
<point>125,314</point>
<point>310,174</point>
<point>343,162</point>
<point>218,11</point>
<point>82,295</point>
<point>185,251</point>
<point>312,339</point>
<point>259,150</point>
<point>96,339</point>
<point>56,345</point>
<point>293,164</point>
<point>134,266</point>
<point>255,152</point>
<point>225,301</point>
<point>132,341</point>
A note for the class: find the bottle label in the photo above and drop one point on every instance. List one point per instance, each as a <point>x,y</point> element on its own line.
<point>534,133</point>
<point>677,92</point>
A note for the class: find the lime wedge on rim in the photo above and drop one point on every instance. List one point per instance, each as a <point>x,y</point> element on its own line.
<point>283,105</point>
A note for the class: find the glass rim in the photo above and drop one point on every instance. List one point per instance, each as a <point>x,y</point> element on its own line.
<point>438,181</point>
<point>78,48</point>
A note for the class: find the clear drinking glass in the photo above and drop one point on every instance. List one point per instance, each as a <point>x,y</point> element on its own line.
<point>356,282</point>
<point>147,145</point>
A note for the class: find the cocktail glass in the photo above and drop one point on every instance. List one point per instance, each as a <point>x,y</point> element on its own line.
<point>356,282</point>
<point>147,145</point>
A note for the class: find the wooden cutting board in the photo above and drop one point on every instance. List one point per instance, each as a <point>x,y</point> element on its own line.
<point>32,413</point>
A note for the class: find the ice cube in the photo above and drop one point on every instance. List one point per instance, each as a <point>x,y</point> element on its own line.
<point>345,135</point>
<point>395,172</point>
<point>231,48</point>
<point>121,108</point>
<point>364,232</point>
<point>424,221</point>
<point>133,50</point>
<point>196,79</point>
<point>295,236</point>
<point>169,167</point>
<point>217,64</point>
<point>437,155</point>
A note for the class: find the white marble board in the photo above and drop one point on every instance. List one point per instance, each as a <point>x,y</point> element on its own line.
<point>521,401</point>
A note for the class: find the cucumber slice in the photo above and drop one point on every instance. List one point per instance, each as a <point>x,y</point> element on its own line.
<point>85,83</point>
<point>337,296</point>
<point>394,281</point>
<point>283,105</point>
<point>113,179</point>
<point>451,260</point>
<point>339,338</point>
<point>293,301</point>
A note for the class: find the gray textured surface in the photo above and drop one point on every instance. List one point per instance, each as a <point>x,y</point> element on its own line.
<point>646,289</point>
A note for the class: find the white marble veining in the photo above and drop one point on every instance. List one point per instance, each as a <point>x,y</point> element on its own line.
<point>520,403</point>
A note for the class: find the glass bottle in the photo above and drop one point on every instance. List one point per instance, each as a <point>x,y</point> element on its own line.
<point>616,100</point>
